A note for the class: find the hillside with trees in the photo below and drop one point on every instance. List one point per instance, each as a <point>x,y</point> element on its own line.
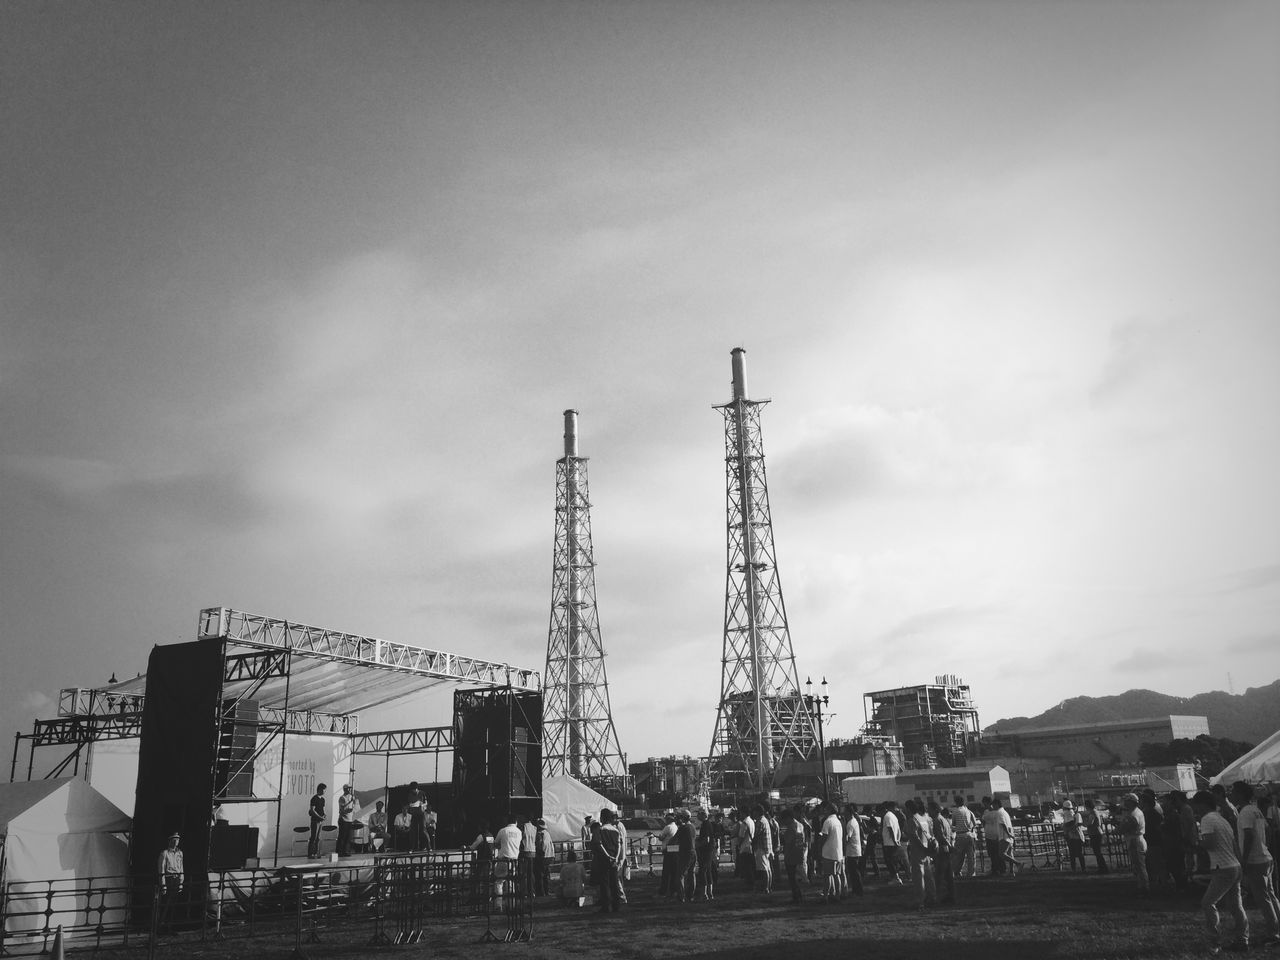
<point>1251,716</point>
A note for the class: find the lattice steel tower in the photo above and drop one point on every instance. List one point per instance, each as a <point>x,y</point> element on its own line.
<point>762,720</point>
<point>578,736</point>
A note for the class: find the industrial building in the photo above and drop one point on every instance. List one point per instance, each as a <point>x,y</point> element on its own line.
<point>670,781</point>
<point>936,723</point>
<point>1113,743</point>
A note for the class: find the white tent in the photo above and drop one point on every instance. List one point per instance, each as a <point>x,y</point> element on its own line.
<point>1260,764</point>
<point>566,803</point>
<point>60,830</point>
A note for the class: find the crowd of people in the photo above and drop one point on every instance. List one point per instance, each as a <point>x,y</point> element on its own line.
<point>1229,837</point>
<point>1219,844</point>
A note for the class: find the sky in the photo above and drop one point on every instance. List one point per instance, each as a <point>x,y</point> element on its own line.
<point>293,296</point>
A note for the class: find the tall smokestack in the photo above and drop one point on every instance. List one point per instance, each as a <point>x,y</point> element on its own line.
<point>739,373</point>
<point>571,433</point>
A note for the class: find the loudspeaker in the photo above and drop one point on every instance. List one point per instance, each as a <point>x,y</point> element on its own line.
<point>497,753</point>
<point>237,738</point>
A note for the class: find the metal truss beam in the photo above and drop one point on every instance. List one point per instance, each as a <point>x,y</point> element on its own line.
<point>255,666</point>
<point>389,742</point>
<point>315,642</point>
<point>73,730</point>
<point>113,715</point>
<point>310,721</point>
<point>96,701</point>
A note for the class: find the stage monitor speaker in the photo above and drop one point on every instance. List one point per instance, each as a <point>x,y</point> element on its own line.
<point>231,845</point>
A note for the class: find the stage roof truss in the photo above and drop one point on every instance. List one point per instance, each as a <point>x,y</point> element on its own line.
<point>305,642</point>
<point>399,742</point>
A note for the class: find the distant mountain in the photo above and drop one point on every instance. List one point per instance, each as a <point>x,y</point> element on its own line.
<point>1251,716</point>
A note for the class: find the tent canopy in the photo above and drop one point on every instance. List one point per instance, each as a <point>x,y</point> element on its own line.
<point>566,803</point>
<point>1260,764</point>
<point>60,830</point>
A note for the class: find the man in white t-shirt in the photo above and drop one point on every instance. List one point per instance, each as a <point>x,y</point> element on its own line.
<point>506,854</point>
<point>1218,840</point>
<point>667,844</point>
<point>965,825</point>
<point>891,843</point>
<point>852,850</point>
<point>831,840</point>
<point>1256,863</point>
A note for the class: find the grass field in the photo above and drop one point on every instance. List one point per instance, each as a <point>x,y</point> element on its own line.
<point>1045,914</point>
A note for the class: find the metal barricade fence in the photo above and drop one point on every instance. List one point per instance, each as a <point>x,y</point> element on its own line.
<point>91,912</point>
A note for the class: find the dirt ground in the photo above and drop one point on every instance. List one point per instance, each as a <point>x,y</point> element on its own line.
<point>1037,915</point>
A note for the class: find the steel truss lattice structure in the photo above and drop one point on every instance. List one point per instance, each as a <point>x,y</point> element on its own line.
<point>762,719</point>
<point>578,735</point>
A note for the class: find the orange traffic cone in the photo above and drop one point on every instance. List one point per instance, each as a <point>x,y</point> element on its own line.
<point>58,952</point>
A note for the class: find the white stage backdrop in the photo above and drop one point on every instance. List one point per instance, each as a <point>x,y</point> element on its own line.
<point>309,761</point>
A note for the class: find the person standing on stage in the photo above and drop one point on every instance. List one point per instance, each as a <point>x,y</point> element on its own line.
<point>346,820</point>
<point>315,810</point>
<point>417,831</point>
<point>430,822</point>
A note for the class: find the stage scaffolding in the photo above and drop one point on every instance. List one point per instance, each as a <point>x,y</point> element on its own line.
<point>265,679</point>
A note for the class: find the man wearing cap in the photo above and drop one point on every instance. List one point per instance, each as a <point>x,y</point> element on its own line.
<point>170,873</point>
<point>346,819</point>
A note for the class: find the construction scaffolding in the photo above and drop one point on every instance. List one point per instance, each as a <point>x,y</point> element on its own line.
<point>936,723</point>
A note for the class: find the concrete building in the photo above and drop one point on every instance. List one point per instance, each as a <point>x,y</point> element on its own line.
<point>972,783</point>
<point>1113,743</point>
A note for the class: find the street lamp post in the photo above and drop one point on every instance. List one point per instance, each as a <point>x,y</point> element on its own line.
<point>815,704</point>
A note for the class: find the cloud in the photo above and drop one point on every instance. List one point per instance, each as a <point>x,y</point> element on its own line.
<point>1254,643</point>
<point>1133,349</point>
<point>940,622</point>
<point>35,703</point>
<point>870,451</point>
<point>1257,578</point>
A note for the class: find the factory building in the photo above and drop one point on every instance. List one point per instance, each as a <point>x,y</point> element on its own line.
<point>1113,743</point>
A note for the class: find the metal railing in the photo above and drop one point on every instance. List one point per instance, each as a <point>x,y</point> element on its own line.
<point>90,912</point>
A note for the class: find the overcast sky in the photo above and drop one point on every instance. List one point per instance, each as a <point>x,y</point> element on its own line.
<point>293,295</point>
